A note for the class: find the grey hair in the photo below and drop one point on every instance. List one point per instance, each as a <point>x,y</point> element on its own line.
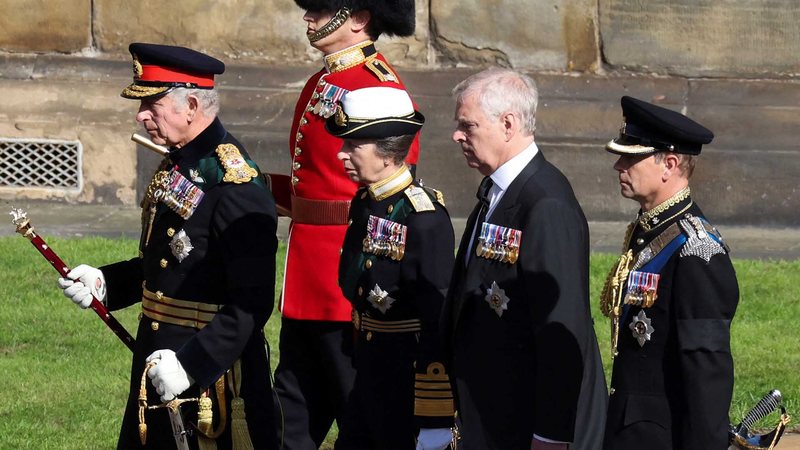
<point>208,99</point>
<point>394,147</point>
<point>500,91</point>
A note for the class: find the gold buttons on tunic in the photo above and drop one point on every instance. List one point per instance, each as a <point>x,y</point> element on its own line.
<point>309,108</point>
<point>298,151</point>
<point>299,136</point>
<point>612,391</point>
<point>315,95</point>
<point>349,222</point>
<point>360,291</point>
<point>368,264</point>
<point>341,250</point>
<point>639,241</point>
<point>303,121</point>
<point>363,195</point>
<point>154,326</point>
<point>369,335</point>
<point>170,232</point>
<point>163,263</point>
<point>295,180</point>
<point>296,165</point>
<point>390,209</point>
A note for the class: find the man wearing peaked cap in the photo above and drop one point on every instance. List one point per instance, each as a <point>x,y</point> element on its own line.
<point>205,274</point>
<point>395,266</point>
<point>315,373</point>
<point>670,297</point>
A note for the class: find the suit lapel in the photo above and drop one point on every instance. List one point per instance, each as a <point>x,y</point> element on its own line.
<point>468,279</point>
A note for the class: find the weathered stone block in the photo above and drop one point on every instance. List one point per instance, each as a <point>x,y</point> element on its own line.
<point>550,35</point>
<point>44,26</point>
<point>702,37</point>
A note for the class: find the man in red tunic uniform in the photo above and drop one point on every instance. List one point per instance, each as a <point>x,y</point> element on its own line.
<point>315,372</point>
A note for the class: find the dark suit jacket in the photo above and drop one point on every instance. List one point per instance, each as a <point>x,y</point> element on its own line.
<point>537,368</point>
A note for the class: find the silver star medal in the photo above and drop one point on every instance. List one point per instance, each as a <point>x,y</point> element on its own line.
<point>641,328</point>
<point>180,245</point>
<point>497,299</point>
<point>380,299</point>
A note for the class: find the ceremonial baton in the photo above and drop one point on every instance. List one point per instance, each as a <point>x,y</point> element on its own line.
<point>25,228</point>
<point>150,145</point>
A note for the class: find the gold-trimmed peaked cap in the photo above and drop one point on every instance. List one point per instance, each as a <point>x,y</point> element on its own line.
<point>390,17</point>
<point>375,113</point>
<point>649,128</point>
<point>159,68</point>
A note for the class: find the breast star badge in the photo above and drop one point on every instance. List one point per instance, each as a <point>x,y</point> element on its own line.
<point>641,328</point>
<point>497,299</point>
<point>180,245</point>
<point>380,299</point>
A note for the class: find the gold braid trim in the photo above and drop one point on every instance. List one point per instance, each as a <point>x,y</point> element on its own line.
<point>174,404</point>
<point>205,417</point>
<point>611,298</point>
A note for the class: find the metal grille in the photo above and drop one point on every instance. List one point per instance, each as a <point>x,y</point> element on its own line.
<point>40,163</point>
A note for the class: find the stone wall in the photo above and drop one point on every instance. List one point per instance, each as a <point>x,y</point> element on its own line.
<point>731,65</point>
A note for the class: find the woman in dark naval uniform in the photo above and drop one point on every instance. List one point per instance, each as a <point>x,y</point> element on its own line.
<point>395,267</point>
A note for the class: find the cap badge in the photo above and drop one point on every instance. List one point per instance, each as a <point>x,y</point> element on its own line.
<point>180,245</point>
<point>498,243</point>
<point>641,328</point>
<point>497,299</point>
<point>138,71</point>
<point>380,299</point>
<point>341,117</point>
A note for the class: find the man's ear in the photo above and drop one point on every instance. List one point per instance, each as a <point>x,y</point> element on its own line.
<point>510,125</point>
<point>671,165</point>
<point>192,107</point>
<point>359,20</point>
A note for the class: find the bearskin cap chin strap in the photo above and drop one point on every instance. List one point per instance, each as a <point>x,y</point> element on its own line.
<point>334,24</point>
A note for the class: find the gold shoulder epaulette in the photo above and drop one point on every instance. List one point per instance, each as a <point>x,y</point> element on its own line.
<point>382,70</point>
<point>433,396</point>
<point>419,199</point>
<point>236,168</point>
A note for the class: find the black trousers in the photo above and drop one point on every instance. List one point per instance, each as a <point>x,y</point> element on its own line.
<point>313,380</point>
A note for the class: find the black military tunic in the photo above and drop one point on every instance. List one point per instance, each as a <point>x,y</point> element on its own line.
<point>221,259</point>
<point>397,294</point>
<point>672,380</point>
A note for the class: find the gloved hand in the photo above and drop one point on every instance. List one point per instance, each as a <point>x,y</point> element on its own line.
<point>168,376</point>
<point>434,438</point>
<point>82,283</point>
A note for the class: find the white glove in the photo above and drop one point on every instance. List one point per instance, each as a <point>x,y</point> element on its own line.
<point>168,376</point>
<point>82,283</point>
<point>434,438</point>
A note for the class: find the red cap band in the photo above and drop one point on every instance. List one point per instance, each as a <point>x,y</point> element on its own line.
<point>167,75</point>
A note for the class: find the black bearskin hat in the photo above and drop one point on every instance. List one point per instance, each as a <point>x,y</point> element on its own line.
<point>392,17</point>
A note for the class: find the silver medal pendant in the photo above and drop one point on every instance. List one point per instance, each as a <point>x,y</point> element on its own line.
<point>180,245</point>
<point>641,328</point>
<point>380,299</point>
<point>497,299</point>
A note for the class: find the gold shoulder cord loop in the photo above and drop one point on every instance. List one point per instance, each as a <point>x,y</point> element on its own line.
<point>611,298</point>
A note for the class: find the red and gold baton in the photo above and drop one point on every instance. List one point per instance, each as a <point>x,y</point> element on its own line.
<point>25,228</point>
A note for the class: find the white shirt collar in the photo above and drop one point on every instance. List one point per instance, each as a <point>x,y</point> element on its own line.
<point>505,174</point>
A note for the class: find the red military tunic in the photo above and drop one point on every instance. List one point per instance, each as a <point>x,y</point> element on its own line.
<point>320,189</point>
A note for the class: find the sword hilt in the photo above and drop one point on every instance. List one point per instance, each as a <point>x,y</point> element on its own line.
<point>763,408</point>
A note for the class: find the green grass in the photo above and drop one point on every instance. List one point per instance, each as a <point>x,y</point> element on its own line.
<point>65,376</point>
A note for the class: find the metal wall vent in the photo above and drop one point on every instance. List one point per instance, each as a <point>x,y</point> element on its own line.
<point>40,163</point>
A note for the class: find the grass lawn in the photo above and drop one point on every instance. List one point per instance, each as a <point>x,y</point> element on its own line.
<point>65,376</point>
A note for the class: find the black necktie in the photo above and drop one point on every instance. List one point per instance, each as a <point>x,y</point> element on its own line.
<point>483,197</point>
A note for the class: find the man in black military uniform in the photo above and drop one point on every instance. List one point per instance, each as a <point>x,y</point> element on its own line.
<point>205,274</point>
<point>671,297</point>
<point>395,265</point>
